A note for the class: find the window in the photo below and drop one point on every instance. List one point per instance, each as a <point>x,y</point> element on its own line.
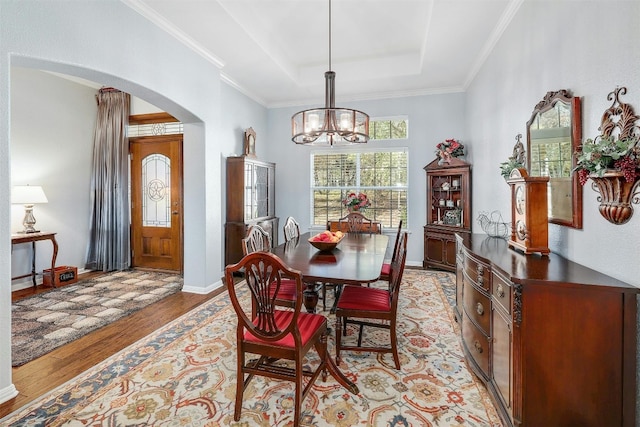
<point>550,147</point>
<point>382,175</point>
<point>394,128</point>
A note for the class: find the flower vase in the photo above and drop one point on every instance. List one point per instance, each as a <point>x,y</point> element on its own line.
<point>444,158</point>
<point>616,195</point>
<point>352,209</point>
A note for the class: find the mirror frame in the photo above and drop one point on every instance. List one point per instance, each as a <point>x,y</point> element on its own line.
<point>574,105</point>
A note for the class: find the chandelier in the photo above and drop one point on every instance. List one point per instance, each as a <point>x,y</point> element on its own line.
<point>330,125</point>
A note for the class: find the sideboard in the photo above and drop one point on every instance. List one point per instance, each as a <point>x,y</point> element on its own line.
<point>554,341</point>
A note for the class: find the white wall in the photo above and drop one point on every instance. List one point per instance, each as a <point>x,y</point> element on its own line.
<point>128,52</point>
<point>432,119</point>
<point>52,125</point>
<point>240,113</point>
<point>589,48</point>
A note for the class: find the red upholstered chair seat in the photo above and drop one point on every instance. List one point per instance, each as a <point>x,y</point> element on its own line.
<point>307,323</point>
<point>373,308</point>
<point>276,334</point>
<point>287,290</point>
<point>360,298</point>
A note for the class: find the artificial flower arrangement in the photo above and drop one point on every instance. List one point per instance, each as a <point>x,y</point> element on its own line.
<point>449,148</point>
<point>596,156</point>
<point>356,202</point>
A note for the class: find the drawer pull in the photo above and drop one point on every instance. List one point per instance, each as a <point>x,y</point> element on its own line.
<point>480,279</point>
<point>500,291</point>
<point>478,346</point>
<point>480,308</point>
<point>480,269</point>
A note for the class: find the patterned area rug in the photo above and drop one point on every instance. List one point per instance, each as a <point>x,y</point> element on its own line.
<point>184,375</point>
<point>49,320</point>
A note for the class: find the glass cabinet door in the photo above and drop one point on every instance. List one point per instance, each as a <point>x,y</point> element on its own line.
<point>258,183</point>
<point>261,191</point>
<point>447,200</point>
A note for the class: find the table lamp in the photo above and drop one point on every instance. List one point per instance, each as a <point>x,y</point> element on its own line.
<point>28,195</point>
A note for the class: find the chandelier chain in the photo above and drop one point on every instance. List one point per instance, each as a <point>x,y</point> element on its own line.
<point>330,125</point>
<point>329,35</point>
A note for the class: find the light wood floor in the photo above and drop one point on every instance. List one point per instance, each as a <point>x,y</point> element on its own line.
<point>41,375</point>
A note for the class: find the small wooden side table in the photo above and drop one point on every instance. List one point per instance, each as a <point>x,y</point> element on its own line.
<point>33,238</point>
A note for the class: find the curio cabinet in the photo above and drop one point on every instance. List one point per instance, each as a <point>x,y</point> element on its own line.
<point>448,211</point>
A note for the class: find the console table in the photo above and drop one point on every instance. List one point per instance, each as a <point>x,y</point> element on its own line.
<point>554,341</point>
<point>33,238</point>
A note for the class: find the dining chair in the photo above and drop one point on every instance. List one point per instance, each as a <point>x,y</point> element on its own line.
<point>274,334</point>
<point>291,229</point>
<point>385,272</point>
<point>372,307</point>
<point>258,240</point>
<point>355,222</point>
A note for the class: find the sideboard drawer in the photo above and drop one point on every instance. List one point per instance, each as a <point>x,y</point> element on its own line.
<point>477,271</point>
<point>477,344</point>
<point>477,306</point>
<point>501,291</point>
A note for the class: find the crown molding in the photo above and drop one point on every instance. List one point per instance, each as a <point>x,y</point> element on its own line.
<point>371,96</point>
<point>172,30</point>
<point>496,34</point>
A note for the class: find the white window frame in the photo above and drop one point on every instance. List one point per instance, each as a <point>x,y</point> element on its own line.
<point>390,118</point>
<point>352,150</point>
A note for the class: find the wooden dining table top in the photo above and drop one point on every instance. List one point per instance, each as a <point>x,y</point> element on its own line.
<point>358,258</point>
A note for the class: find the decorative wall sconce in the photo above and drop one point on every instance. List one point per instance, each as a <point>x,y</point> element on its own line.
<point>611,161</point>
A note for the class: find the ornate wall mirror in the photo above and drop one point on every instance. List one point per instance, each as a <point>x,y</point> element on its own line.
<point>554,132</point>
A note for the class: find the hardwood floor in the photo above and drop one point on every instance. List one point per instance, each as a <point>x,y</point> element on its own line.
<point>41,375</point>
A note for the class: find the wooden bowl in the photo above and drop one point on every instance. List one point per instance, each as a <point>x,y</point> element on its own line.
<point>324,246</point>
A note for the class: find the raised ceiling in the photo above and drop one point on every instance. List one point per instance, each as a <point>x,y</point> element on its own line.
<point>276,51</point>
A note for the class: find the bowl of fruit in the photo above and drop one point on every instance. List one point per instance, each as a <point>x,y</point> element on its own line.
<point>326,241</point>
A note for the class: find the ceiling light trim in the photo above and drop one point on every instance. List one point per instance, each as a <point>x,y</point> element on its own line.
<point>373,96</point>
<point>269,50</point>
<point>425,40</point>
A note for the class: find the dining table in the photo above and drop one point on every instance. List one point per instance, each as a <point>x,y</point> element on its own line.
<point>356,260</point>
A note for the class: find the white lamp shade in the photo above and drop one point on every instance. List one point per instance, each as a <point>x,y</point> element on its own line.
<point>27,195</point>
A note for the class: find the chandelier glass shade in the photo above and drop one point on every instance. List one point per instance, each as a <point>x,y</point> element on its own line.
<point>330,125</point>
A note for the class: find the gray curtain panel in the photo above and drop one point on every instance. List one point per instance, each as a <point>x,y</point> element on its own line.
<point>109,245</point>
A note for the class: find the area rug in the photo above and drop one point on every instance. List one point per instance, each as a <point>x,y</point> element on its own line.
<point>184,375</point>
<point>51,319</point>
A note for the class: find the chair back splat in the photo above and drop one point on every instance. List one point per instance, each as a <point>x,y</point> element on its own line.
<point>291,229</point>
<point>397,271</point>
<point>357,223</point>
<point>274,334</point>
<point>257,239</point>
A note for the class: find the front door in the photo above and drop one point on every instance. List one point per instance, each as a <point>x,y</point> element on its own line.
<point>156,202</point>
